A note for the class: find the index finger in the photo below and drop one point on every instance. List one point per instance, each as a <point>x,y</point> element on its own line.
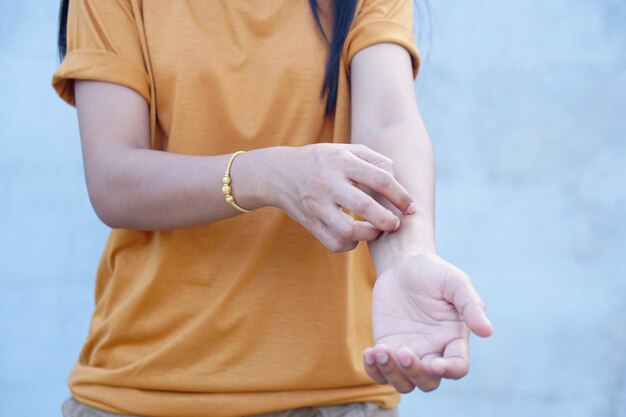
<point>382,182</point>
<point>454,363</point>
<point>369,155</point>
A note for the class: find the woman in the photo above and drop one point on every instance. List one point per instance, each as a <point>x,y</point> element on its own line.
<point>243,283</point>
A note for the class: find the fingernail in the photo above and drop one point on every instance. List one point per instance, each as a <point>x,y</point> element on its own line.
<point>410,209</point>
<point>381,358</point>
<point>369,359</point>
<point>405,361</point>
<point>490,323</point>
<point>397,225</point>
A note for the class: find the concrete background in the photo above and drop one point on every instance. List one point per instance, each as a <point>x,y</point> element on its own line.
<point>526,105</point>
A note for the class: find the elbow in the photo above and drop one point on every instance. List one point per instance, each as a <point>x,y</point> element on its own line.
<point>110,191</point>
<point>107,218</point>
<point>106,194</point>
<point>103,208</point>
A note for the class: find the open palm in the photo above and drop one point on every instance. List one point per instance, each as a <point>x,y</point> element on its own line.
<point>422,312</point>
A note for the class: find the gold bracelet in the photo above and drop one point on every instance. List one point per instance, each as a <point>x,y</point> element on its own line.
<point>227,188</point>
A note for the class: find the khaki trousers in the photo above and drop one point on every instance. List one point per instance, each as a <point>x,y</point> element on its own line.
<point>74,408</point>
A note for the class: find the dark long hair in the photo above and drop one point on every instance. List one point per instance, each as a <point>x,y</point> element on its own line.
<point>343,13</point>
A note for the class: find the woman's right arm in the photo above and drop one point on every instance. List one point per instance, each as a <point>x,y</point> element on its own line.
<point>132,186</point>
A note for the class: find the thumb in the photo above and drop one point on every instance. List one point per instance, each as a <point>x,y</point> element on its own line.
<point>469,305</point>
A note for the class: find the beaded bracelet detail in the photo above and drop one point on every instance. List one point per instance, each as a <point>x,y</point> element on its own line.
<point>227,189</point>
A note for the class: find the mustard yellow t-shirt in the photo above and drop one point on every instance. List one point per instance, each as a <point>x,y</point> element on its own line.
<point>250,314</point>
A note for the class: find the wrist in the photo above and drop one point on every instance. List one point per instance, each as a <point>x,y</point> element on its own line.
<point>278,175</point>
<point>252,175</point>
<point>248,179</point>
<point>393,254</point>
<point>414,237</point>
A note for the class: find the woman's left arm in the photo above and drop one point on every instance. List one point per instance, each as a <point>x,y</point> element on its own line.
<point>423,306</point>
<point>386,118</point>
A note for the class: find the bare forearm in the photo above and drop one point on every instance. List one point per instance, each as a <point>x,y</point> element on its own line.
<point>154,190</point>
<point>407,143</point>
<point>132,186</point>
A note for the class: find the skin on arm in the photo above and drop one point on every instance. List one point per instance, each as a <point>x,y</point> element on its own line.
<point>423,307</point>
<point>135,187</point>
<point>132,186</point>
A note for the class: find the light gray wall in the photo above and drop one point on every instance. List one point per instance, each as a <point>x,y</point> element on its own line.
<point>526,105</point>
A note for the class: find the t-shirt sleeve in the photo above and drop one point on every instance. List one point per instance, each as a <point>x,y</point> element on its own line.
<point>103,44</point>
<point>378,21</point>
